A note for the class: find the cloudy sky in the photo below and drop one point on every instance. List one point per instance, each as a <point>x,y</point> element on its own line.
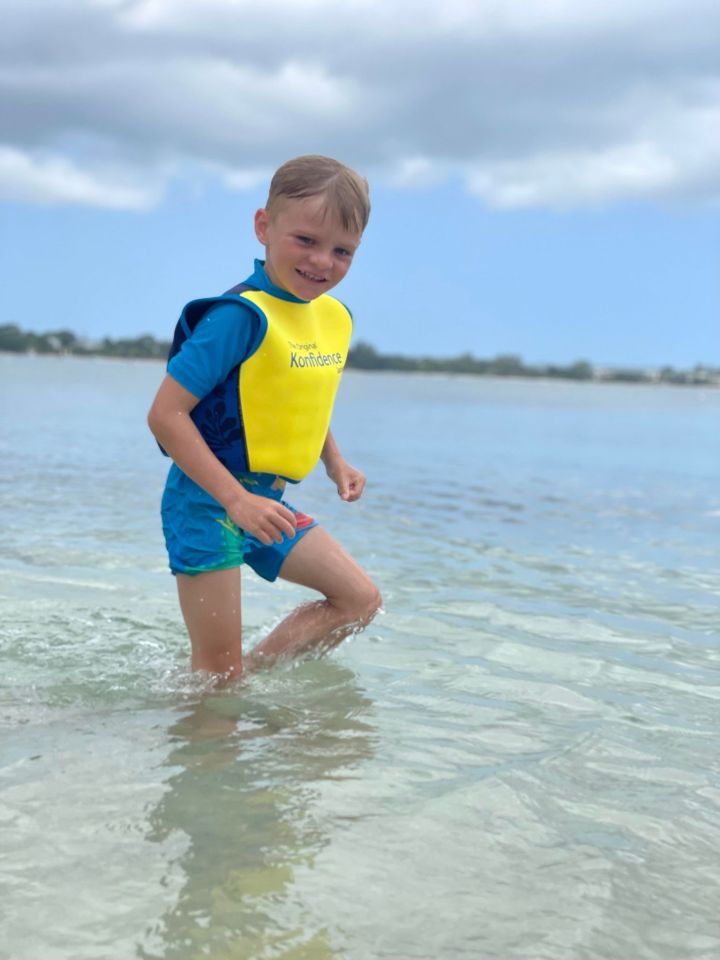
<point>545,173</point>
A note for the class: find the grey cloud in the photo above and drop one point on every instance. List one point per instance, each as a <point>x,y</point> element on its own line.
<point>500,94</point>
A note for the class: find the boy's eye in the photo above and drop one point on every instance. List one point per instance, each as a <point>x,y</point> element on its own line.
<point>306,240</point>
<point>343,252</point>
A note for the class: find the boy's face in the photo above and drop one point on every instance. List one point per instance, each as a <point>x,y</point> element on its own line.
<point>307,250</point>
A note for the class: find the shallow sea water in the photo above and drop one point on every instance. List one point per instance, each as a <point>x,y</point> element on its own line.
<point>518,759</point>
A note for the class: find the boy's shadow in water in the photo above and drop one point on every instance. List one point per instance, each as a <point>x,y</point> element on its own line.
<point>242,792</point>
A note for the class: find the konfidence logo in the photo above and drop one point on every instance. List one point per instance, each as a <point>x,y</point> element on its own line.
<point>304,355</point>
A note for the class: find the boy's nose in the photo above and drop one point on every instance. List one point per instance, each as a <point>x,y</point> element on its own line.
<point>321,259</point>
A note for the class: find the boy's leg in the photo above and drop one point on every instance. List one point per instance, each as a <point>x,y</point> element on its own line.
<point>210,604</point>
<point>351,599</point>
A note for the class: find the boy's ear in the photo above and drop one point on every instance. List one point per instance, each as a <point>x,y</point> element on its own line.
<point>261,223</point>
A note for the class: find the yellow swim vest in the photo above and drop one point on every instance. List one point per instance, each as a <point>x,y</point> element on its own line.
<point>287,387</point>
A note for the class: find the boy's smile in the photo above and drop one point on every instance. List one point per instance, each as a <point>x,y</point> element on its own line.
<point>307,250</point>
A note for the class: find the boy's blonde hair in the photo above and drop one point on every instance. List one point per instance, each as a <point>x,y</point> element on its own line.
<point>345,191</point>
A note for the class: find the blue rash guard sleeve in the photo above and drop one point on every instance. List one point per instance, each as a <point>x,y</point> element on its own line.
<point>226,335</point>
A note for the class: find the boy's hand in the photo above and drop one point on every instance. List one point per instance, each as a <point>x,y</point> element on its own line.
<point>265,519</point>
<point>350,482</point>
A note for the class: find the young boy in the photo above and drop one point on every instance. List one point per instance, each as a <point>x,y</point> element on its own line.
<point>245,406</point>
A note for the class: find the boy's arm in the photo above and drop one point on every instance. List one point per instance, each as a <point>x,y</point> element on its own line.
<point>169,419</point>
<point>349,481</point>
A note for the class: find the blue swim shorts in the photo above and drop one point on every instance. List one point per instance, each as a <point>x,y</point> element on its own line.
<point>200,536</point>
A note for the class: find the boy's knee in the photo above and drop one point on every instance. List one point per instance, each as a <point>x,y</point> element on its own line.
<point>366,601</point>
<point>375,601</point>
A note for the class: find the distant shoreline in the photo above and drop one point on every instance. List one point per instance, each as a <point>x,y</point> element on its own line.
<point>363,356</point>
<point>627,378</point>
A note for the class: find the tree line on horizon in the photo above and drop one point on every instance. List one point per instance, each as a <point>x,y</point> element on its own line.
<point>362,356</point>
